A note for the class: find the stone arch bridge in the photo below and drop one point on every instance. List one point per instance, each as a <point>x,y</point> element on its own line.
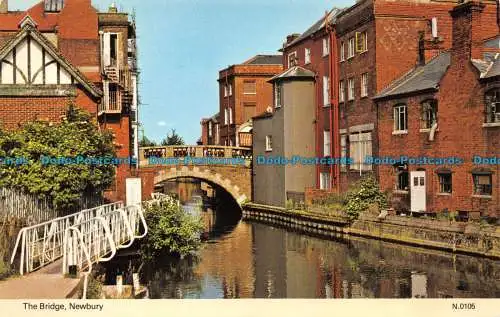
<point>226,167</point>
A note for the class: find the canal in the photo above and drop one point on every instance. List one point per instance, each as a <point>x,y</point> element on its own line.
<point>253,260</point>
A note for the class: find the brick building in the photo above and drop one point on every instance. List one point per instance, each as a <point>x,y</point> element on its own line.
<point>210,128</point>
<point>244,92</point>
<point>447,107</point>
<point>60,52</point>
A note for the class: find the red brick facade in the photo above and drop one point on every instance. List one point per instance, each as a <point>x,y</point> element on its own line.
<point>462,131</point>
<point>238,106</point>
<point>75,31</point>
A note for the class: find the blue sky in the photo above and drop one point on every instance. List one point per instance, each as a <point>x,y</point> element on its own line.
<point>184,43</point>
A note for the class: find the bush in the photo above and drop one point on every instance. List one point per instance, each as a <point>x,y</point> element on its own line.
<point>362,195</point>
<point>170,230</point>
<point>76,136</point>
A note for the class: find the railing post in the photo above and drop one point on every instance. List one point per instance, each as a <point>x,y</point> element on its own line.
<point>199,151</point>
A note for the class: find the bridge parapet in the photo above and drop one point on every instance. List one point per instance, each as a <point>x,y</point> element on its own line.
<point>204,151</point>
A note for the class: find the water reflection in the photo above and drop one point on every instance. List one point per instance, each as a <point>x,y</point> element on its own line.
<point>253,260</point>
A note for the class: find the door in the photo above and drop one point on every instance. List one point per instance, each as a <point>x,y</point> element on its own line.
<point>134,191</point>
<point>418,191</point>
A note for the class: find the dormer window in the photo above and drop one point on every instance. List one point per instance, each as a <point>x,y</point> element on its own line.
<point>493,106</point>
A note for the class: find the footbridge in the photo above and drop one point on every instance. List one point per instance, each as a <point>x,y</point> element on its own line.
<point>80,240</point>
<point>226,167</point>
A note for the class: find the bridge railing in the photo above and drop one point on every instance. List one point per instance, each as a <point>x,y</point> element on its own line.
<point>201,151</point>
<point>42,244</point>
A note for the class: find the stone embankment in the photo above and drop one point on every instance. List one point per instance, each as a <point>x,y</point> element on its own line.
<point>458,237</point>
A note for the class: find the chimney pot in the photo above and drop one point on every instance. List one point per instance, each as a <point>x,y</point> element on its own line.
<point>290,38</point>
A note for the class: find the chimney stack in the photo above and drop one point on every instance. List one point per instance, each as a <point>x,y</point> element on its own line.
<point>4,6</point>
<point>421,49</point>
<point>466,31</point>
<point>290,38</point>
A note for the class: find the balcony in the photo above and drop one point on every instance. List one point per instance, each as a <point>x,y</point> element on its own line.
<point>112,102</point>
<point>120,75</point>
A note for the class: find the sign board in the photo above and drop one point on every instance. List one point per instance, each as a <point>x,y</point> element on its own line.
<point>134,191</point>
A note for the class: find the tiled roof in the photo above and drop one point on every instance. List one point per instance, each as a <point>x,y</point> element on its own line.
<point>493,43</point>
<point>332,16</point>
<point>265,60</point>
<point>420,78</point>
<point>293,72</point>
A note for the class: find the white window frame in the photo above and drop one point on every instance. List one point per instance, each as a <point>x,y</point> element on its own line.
<point>350,89</point>
<point>307,55</point>
<point>278,95</point>
<point>398,111</point>
<point>326,91</point>
<point>325,181</point>
<point>364,85</point>
<point>326,143</point>
<point>225,91</point>
<point>210,126</point>
<point>230,115</point>
<point>326,46</point>
<point>230,89</point>
<point>362,36</point>
<point>226,116</point>
<point>269,143</point>
<point>292,59</point>
<point>360,146</point>
<point>342,91</point>
<point>351,48</point>
<point>342,51</point>
<point>343,152</point>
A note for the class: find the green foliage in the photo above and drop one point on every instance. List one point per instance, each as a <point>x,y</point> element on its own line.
<point>77,135</point>
<point>173,139</point>
<point>362,195</point>
<point>170,230</point>
<point>145,142</point>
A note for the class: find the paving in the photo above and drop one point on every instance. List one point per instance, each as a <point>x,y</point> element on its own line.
<point>46,283</point>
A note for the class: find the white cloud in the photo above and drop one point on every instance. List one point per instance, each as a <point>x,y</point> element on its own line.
<point>162,124</point>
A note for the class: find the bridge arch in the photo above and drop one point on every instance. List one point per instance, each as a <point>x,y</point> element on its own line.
<point>207,175</point>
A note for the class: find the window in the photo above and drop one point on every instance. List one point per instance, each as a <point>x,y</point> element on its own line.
<point>325,181</point>
<point>326,91</point>
<point>226,116</point>
<point>278,90</point>
<point>350,89</point>
<point>402,177</point>
<point>360,147</point>
<point>493,106</point>
<point>364,85</point>
<point>361,42</point>
<point>292,59</point>
<point>269,143</point>
<point>341,91</point>
<point>230,115</point>
<point>482,184</point>
<point>326,46</point>
<point>210,128</point>
<point>350,48</point>
<point>326,143</point>
<point>429,114</point>
<point>400,118</point>
<point>342,51</point>
<point>249,111</point>
<point>111,44</point>
<point>445,184</point>
<point>343,152</point>
<point>307,54</point>
<point>226,91</point>
<point>230,89</point>
<point>249,87</point>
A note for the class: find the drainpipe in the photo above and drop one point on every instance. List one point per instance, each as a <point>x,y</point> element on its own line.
<point>316,127</point>
<point>334,110</point>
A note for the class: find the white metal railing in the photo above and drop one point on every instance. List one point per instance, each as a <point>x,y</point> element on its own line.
<point>42,244</point>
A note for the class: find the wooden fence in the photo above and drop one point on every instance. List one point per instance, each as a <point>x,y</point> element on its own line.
<point>32,209</point>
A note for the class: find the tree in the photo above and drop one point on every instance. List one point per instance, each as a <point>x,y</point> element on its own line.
<point>49,159</point>
<point>173,139</point>
<point>145,142</point>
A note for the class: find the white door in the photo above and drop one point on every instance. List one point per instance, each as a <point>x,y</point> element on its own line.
<point>417,191</point>
<point>134,191</point>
